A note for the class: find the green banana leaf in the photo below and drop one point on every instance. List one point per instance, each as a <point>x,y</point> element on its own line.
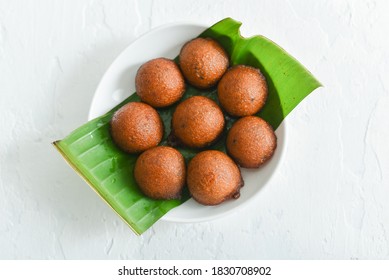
<point>109,171</point>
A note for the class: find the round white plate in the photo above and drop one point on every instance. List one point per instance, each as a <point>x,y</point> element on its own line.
<point>119,82</point>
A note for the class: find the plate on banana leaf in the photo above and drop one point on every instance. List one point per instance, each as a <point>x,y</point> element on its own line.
<point>90,151</point>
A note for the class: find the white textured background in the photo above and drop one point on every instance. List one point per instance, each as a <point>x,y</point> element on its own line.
<point>329,198</point>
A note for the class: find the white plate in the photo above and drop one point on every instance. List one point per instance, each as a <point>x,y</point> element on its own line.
<point>119,82</point>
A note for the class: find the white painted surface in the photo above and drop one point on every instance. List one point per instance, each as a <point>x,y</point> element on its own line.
<point>329,198</point>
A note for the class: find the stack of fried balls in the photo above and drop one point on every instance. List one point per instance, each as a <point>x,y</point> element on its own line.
<point>211,176</point>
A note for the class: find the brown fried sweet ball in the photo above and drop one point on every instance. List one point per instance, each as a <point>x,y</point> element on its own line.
<point>213,177</point>
<point>203,62</point>
<point>160,172</point>
<point>242,91</point>
<point>136,127</point>
<point>197,122</point>
<point>251,142</point>
<point>159,82</point>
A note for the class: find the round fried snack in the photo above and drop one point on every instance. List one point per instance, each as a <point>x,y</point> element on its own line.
<point>136,127</point>
<point>213,177</point>
<point>242,91</point>
<point>197,122</point>
<point>160,173</point>
<point>203,62</point>
<point>251,142</point>
<point>159,82</point>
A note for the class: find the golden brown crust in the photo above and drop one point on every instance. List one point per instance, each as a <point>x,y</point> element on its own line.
<point>203,62</point>
<point>136,127</point>
<point>251,141</point>
<point>242,91</point>
<point>197,122</point>
<point>213,177</point>
<point>159,82</point>
<point>160,173</point>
